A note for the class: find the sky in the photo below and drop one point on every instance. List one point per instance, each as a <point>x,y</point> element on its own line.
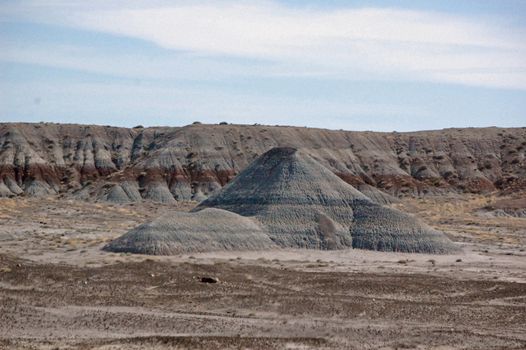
<point>356,65</point>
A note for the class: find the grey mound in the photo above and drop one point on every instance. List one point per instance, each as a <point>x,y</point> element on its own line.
<point>302,204</point>
<point>4,190</point>
<point>386,229</point>
<point>38,188</point>
<point>125,192</point>
<point>9,188</point>
<point>158,192</point>
<point>180,232</point>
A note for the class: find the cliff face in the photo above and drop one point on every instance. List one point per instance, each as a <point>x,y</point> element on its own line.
<point>168,164</point>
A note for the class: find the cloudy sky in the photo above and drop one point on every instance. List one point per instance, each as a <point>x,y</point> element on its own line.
<point>357,65</point>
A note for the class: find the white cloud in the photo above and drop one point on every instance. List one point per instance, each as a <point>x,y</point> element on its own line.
<point>383,43</point>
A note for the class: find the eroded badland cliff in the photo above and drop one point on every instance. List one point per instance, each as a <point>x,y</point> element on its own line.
<point>165,164</point>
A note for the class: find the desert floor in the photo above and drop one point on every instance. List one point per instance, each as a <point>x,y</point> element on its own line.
<point>58,290</point>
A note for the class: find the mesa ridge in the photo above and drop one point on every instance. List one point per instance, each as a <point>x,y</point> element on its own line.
<point>167,164</point>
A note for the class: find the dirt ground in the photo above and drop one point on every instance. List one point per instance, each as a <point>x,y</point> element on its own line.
<point>58,290</point>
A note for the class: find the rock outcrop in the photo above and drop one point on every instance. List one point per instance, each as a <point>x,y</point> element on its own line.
<point>190,163</point>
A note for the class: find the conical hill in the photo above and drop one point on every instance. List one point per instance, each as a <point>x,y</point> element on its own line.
<point>302,204</point>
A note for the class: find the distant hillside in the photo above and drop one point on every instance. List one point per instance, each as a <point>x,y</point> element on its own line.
<point>167,164</point>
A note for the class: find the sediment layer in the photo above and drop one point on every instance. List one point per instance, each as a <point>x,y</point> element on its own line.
<point>190,163</point>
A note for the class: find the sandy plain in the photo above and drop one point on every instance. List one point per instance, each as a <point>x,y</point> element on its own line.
<point>58,290</point>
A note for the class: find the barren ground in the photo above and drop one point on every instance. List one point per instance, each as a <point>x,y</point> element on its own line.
<point>58,290</point>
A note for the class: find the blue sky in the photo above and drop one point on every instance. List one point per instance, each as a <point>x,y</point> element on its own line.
<point>355,65</point>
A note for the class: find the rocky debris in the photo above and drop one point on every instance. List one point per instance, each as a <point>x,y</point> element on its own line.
<point>208,279</point>
<point>193,162</point>
<point>206,230</point>
<point>304,205</point>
